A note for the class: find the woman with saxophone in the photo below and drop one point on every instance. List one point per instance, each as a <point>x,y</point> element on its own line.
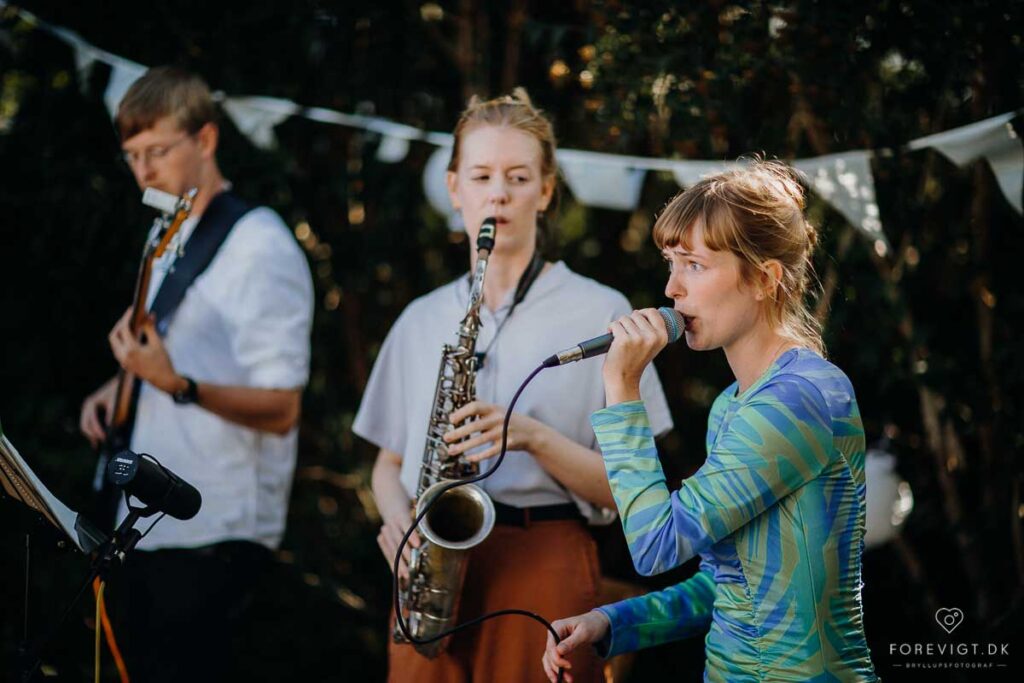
<point>539,556</point>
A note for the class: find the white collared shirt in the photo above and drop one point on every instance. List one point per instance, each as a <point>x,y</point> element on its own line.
<point>245,321</point>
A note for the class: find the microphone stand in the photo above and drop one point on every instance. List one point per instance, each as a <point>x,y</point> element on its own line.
<point>107,557</point>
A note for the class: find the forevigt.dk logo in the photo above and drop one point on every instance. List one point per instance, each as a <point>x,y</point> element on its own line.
<point>949,618</point>
<point>950,653</point>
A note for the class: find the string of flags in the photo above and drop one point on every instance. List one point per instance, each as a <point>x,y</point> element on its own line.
<point>596,179</point>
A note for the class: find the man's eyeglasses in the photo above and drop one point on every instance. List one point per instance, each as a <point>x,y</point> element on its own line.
<point>153,152</point>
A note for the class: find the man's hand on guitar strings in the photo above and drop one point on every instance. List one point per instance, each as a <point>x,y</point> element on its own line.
<point>147,360</point>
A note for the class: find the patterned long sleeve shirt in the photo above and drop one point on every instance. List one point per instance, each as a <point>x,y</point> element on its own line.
<point>776,514</point>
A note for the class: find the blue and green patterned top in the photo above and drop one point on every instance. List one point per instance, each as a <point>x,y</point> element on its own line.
<point>777,515</point>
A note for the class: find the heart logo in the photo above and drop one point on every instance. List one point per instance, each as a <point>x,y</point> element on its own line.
<point>949,618</point>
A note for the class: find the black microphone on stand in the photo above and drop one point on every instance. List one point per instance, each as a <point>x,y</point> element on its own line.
<point>674,324</point>
<point>156,486</point>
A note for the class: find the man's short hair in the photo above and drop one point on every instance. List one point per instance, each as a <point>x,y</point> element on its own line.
<point>165,91</point>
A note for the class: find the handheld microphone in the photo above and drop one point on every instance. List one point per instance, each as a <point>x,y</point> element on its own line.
<point>674,323</point>
<point>153,484</point>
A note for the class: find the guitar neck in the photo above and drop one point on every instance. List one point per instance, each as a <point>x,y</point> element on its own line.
<point>164,230</point>
<point>126,380</point>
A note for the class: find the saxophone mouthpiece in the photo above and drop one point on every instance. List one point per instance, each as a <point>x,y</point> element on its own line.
<point>485,240</point>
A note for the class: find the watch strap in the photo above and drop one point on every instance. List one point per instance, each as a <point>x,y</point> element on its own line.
<point>190,394</point>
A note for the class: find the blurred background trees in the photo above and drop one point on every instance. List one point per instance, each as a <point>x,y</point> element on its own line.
<point>927,332</point>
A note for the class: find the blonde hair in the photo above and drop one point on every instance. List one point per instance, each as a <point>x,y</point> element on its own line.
<point>517,112</point>
<point>510,111</point>
<point>755,212</point>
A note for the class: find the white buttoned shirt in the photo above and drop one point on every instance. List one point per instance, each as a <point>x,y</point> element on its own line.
<point>245,321</point>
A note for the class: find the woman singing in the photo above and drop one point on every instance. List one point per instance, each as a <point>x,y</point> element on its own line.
<point>776,512</point>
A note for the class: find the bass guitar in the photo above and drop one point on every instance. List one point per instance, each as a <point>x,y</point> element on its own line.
<point>173,212</point>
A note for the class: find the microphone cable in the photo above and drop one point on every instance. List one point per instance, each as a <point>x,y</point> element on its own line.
<point>416,522</point>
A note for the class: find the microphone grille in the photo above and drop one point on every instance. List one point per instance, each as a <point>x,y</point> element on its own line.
<point>674,323</point>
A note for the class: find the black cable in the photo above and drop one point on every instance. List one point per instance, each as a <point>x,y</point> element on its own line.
<point>526,281</point>
<point>416,522</point>
<point>153,524</point>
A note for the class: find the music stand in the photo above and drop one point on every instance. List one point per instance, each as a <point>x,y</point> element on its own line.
<point>21,483</point>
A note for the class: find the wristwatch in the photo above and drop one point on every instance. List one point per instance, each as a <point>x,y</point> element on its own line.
<point>190,394</point>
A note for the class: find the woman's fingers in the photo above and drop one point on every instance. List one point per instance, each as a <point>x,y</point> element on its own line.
<point>481,409</point>
<point>476,427</point>
<point>389,538</point>
<point>474,441</point>
<point>552,661</point>
<point>650,321</point>
<point>545,660</point>
<point>484,455</point>
<point>644,326</point>
<point>485,420</point>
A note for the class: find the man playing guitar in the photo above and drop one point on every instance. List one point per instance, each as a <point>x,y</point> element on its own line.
<point>221,380</point>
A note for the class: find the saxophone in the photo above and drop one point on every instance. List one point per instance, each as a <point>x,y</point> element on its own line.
<point>462,517</point>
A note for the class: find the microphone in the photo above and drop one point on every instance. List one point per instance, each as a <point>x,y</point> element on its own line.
<point>153,484</point>
<point>674,323</point>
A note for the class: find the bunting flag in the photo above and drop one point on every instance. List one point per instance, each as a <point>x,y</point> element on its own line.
<point>435,186</point>
<point>690,172</point>
<point>256,117</point>
<point>888,499</point>
<point>996,141</point>
<point>845,181</point>
<point>122,75</point>
<point>392,149</point>
<point>596,179</point>
<point>601,180</point>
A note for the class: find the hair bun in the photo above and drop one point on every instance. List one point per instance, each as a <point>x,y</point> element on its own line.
<point>520,96</point>
<point>812,236</point>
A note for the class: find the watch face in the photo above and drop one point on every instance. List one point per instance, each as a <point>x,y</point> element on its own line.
<point>186,395</point>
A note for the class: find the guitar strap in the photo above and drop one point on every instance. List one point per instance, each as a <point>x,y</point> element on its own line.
<point>214,225</point>
<point>223,212</point>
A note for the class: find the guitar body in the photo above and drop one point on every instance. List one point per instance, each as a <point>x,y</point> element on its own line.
<point>119,421</point>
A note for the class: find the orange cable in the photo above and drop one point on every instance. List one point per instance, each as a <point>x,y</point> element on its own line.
<point>108,631</point>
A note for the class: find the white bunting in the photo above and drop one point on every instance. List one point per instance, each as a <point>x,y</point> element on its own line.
<point>392,150</point>
<point>435,186</point>
<point>845,181</point>
<point>688,173</point>
<point>1007,164</point>
<point>996,141</point>
<point>609,181</point>
<point>600,180</point>
<point>256,117</point>
<point>122,74</point>
<point>888,499</point>
<point>395,138</point>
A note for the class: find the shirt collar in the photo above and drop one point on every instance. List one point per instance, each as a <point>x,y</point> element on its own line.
<point>545,282</point>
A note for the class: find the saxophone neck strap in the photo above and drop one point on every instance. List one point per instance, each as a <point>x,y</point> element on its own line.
<point>526,281</point>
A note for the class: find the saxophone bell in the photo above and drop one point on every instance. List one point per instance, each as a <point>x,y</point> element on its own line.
<point>461,518</point>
